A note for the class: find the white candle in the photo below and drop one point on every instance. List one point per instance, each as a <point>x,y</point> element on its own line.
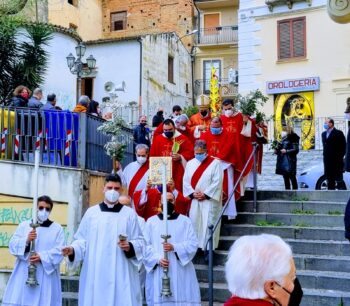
<point>165,206</point>
<point>35,189</point>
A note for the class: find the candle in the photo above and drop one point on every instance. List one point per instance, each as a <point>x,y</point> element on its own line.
<point>35,189</point>
<point>165,207</point>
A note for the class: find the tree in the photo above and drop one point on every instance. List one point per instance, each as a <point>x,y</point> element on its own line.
<point>10,7</point>
<point>23,58</point>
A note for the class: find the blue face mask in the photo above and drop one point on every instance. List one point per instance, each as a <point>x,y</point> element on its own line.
<point>200,156</point>
<point>215,131</point>
<point>325,126</point>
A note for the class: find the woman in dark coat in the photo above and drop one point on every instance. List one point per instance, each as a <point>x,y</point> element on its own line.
<point>20,97</point>
<point>286,152</point>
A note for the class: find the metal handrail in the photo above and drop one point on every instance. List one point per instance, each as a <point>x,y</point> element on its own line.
<point>212,228</point>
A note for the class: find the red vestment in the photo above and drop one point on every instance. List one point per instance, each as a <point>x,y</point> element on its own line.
<point>162,146</point>
<point>197,119</point>
<point>247,147</point>
<point>153,207</point>
<point>237,301</point>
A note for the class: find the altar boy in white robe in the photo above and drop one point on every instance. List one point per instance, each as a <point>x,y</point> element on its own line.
<point>49,239</point>
<point>202,183</point>
<point>181,248</point>
<point>110,243</point>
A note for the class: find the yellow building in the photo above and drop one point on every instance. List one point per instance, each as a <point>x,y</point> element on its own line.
<point>294,53</point>
<point>216,45</point>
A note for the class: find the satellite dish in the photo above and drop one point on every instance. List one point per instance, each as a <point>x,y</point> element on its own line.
<point>109,87</point>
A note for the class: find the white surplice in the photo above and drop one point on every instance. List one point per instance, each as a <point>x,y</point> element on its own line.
<point>48,245</point>
<point>107,276</point>
<point>183,281</point>
<point>203,213</point>
<point>130,171</point>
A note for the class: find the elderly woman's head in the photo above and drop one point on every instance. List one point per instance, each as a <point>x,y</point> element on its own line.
<point>261,267</point>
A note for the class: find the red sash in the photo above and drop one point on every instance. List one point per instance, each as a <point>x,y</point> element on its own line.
<point>199,171</point>
<point>137,177</point>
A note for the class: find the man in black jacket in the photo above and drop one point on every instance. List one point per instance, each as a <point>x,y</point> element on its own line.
<point>334,146</point>
<point>141,132</point>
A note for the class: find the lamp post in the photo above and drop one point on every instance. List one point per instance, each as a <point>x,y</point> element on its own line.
<point>76,66</point>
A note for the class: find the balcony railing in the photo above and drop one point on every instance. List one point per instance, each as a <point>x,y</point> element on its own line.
<point>227,89</point>
<point>64,138</point>
<point>218,35</point>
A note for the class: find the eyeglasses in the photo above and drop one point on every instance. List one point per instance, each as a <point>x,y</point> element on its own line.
<point>46,208</point>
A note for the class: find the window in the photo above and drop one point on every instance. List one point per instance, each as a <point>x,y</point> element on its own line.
<point>118,21</point>
<point>211,23</point>
<point>170,69</point>
<point>291,38</point>
<point>207,73</point>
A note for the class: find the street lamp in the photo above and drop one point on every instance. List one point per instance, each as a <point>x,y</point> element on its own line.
<point>76,66</point>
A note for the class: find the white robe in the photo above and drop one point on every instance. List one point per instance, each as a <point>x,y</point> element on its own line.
<point>48,245</point>
<point>206,212</point>
<point>183,281</point>
<point>107,276</point>
<point>130,171</point>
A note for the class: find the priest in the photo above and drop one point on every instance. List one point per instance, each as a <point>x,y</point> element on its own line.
<point>181,247</point>
<point>200,122</point>
<point>181,123</point>
<point>220,144</point>
<point>148,201</point>
<point>172,143</point>
<point>110,244</point>
<point>49,239</point>
<point>135,174</point>
<point>203,184</point>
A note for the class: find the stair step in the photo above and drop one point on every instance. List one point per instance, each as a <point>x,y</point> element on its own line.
<point>288,206</point>
<point>311,297</point>
<point>284,231</point>
<point>289,219</point>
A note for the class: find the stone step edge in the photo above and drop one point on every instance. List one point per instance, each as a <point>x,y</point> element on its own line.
<point>287,214</point>
<point>285,226</point>
<point>345,242</point>
<point>284,201</point>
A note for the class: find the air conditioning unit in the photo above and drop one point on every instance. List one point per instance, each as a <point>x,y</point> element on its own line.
<point>233,76</point>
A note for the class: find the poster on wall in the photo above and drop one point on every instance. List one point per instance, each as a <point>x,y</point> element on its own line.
<point>298,111</point>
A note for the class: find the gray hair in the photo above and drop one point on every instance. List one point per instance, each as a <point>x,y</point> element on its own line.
<point>37,91</point>
<point>200,144</point>
<point>255,259</point>
<point>141,146</point>
<point>84,100</point>
<point>182,117</point>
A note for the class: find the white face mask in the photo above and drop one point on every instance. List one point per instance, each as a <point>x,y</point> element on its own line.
<point>141,159</point>
<point>43,215</point>
<point>228,112</point>
<point>112,196</point>
<point>347,116</point>
<point>283,134</point>
<point>181,127</point>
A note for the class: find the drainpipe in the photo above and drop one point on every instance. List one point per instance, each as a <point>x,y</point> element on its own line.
<point>140,90</point>
<point>193,58</point>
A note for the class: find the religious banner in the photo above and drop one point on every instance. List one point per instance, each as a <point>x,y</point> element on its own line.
<point>215,98</point>
<point>156,169</point>
<point>297,110</point>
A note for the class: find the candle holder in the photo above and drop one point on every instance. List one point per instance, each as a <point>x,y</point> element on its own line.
<point>166,291</point>
<point>32,280</point>
<point>123,237</point>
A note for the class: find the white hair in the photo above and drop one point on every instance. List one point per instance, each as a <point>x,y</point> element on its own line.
<point>253,260</point>
<point>141,146</point>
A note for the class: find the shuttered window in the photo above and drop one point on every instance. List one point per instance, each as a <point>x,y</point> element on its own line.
<point>118,21</point>
<point>170,69</point>
<point>291,38</point>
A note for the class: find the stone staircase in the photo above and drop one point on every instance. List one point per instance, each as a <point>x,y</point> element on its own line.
<point>312,223</point>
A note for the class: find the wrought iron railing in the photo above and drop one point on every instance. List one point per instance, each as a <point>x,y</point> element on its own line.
<point>227,88</point>
<point>64,138</point>
<point>218,35</point>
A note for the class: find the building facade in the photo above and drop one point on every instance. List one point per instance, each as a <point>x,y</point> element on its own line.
<point>216,46</point>
<point>294,53</point>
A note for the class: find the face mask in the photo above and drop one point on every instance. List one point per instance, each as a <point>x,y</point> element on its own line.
<point>295,296</point>
<point>169,134</point>
<point>25,95</point>
<point>160,113</point>
<point>171,207</point>
<point>204,113</point>
<point>283,134</point>
<point>215,131</point>
<point>141,159</point>
<point>325,126</point>
<point>143,124</point>
<point>200,156</point>
<point>43,215</point>
<point>181,127</point>
<point>112,196</point>
<point>228,112</point>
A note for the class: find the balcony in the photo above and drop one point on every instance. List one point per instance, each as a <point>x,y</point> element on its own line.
<point>227,89</point>
<point>218,35</point>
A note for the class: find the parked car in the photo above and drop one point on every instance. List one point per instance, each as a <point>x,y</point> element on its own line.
<point>313,179</point>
